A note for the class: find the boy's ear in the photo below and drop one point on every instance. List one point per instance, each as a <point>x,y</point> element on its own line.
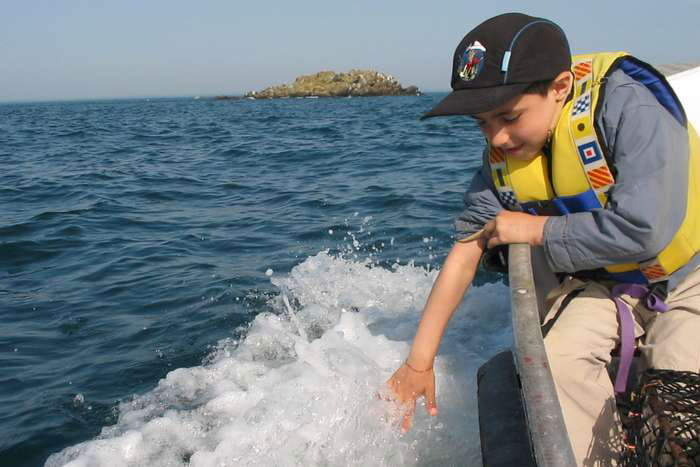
<point>561,85</point>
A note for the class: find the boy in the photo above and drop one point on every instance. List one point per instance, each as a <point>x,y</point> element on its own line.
<point>595,161</point>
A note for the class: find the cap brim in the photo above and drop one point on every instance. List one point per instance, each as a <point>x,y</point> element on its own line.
<point>474,101</point>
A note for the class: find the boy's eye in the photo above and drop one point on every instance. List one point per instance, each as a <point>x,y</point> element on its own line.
<point>511,118</point>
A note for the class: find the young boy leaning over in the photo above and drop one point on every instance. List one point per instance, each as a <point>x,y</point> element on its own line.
<point>592,158</point>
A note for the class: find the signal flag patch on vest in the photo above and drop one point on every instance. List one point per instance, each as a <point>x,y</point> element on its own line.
<point>496,156</point>
<point>600,177</point>
<point>581,105</point>
<point>582,69</point>
<point>654,272</point>
<point>589,152</point>
<point>507,198</point>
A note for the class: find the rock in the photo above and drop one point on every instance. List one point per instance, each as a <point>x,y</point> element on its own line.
<point>332,84</point>
<point>224,98</point>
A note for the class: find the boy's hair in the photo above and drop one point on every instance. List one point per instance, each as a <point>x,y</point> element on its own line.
<point>539,87</point>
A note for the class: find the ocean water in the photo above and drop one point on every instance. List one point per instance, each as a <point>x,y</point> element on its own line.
<point>199,282</point>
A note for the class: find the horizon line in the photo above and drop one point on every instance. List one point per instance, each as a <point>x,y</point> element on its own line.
<point>140,97</point>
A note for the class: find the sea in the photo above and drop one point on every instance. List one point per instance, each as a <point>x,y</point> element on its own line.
<point>200,282</point>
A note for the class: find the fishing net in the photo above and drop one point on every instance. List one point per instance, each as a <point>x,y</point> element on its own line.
<point>662,420</point>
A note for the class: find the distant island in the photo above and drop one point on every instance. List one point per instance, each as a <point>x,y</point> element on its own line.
<point>332,84</point>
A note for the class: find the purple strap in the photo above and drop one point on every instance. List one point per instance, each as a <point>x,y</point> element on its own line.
<point>653,303</point>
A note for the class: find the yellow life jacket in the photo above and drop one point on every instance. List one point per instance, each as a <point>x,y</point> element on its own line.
<point>580,175</point>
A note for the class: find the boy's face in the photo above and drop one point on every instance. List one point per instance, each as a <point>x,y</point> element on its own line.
<point>520,127</point>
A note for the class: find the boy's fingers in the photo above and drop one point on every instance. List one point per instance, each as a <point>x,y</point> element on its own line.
<point>410,408</point>
<point>394,385</point>
<point>384,395</point>
<point>406,424</point>
<point>430,402</point>
<point>489,228</point>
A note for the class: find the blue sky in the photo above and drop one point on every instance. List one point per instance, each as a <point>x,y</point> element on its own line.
<point>73,49</point>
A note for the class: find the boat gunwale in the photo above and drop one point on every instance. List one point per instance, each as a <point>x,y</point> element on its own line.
<point>550,441</point>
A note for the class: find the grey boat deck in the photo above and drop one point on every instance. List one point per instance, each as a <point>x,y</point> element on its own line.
<point>674,68</point>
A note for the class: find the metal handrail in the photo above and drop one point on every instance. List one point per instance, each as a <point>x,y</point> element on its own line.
<point>550,440</point>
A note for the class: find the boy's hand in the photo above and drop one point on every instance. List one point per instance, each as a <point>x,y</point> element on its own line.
<point>408,385</point>
<point>514,227</point>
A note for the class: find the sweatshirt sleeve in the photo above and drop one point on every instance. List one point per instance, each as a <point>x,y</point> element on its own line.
<point>646,206</point>
<point>480,205</point>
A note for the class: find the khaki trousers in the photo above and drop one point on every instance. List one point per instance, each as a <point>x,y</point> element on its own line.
<point>578,347</point>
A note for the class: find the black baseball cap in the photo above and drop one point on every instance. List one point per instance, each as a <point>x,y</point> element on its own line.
<point>499,59</point>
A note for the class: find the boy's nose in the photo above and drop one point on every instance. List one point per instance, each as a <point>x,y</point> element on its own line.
<point>498,136</point>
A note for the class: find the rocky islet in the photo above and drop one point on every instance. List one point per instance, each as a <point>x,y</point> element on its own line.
<point>331,84</point>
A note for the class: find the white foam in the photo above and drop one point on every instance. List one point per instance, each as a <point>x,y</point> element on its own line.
<point>277,398</point>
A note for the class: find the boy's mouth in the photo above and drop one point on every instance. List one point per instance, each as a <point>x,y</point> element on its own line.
<point>515,149</point>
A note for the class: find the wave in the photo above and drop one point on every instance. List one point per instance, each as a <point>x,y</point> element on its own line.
<point>299,386</point>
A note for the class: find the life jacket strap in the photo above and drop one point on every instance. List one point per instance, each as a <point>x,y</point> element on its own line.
<point>654,297</point>
<point>561,205</point>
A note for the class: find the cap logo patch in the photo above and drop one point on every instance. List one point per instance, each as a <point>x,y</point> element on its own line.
<point>472,61</point>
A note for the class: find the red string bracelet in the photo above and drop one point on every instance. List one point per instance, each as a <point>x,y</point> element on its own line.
<point>417,371</point>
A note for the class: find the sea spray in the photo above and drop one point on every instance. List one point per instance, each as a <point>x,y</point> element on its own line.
<point>293,318</point>
<point>300,387</point>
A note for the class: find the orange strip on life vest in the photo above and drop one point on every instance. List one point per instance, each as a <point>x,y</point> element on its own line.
<point>654,272</point>
<point>582,69</point>
<point>496,155</point>
<point>600,177</point>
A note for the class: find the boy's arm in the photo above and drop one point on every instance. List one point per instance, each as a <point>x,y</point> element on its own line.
<point>455,277</point>
<point>416,378</point>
